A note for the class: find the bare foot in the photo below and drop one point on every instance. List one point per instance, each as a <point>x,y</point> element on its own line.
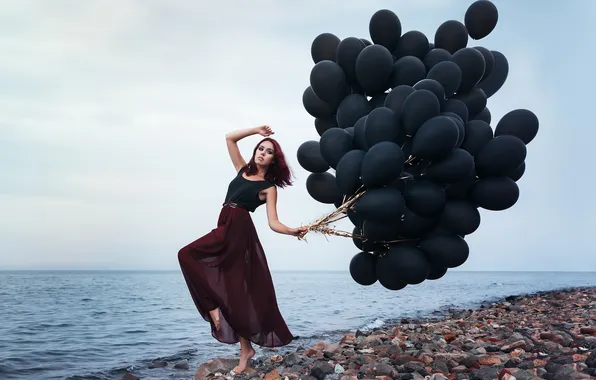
<point>244,359</point>
<point>215,313</point>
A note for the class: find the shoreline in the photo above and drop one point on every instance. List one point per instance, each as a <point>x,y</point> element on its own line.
<point>540,335</point>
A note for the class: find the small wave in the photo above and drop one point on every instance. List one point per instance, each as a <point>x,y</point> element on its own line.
<point>86,299</point>
<point>377,323</point>
<point>136,331</point>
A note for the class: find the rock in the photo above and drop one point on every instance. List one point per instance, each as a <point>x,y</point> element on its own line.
<point>489,361</point>
<point>438,376</point>
<point>158,364</point>
<point>440,366</point>
<point>130,376</point>
<point>587,330</point>
<point>182,365</point>
<point>485,373</point>
<point>291,359</point>
<point>321,369</point>
<point>273,375</point>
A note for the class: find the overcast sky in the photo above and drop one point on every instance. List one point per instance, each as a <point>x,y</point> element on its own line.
<point>113,115</point>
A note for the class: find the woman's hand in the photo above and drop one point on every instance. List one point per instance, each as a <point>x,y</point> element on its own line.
<point>299,231</point>
<point>264,130</point>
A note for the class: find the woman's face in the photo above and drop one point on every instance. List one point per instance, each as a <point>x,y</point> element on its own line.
<point>265,153</point>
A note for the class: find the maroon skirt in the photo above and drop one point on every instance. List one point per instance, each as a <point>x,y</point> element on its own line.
<point>227,268</point>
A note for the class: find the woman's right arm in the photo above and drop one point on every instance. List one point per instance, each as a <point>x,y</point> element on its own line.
<point>231,141</point>
<point>233,137</point>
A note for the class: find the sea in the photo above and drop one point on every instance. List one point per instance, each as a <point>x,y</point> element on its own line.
<point>104,324</point>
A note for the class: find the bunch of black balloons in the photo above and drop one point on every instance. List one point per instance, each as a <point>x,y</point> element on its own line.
<point>405,121</point>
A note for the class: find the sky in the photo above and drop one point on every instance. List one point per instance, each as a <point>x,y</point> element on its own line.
<point>113,116</point>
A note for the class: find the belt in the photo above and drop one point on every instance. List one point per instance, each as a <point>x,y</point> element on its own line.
<point>232,204</point>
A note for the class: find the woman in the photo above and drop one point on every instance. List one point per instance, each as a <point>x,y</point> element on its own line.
<point>226,270</point>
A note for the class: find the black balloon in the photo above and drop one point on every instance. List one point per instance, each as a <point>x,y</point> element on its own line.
<point>385,29</point>
<point>456,166</point>
<point>407,70</point>
<point>324,47</point>
<point>457,107</point>
<point>461,189</point>
<point>500,156</point>
<point>495,80</point>
<point>363,268</point>
<point>521,123</point>
<point>352,108</point>
<point>475,101</point>
<point>380,232</point>
<point>387,276</point>
<point>432,86</point>
<point>481,18</point>
<point>517,173</point>
<point>460,127</point>
<point>315,106</point>
<point>346,55</point>
<point>484,115</point>
<point>451,36</point>
<point>378,100</point>
<point>322,187</point>
<point>413,43</point>
<point>419,106</point>
<point>360,134</point>
<point>448,74</point>
<point>374,67</point>
<point>425,198</point>
<point>334,143</point>
<point>381,125</point>
<point>434,57</point>
<point>435,138</point>
<point>323,124</point>
<point>329,82</point>
<point>478,134</point>
<point>445,250</point>
<point>407,262</point>
<point>436,272</point>
<point>396,97</point>
<point>382,164</point>
<point>495,193</point>
<point>363,243</point>
<point>310,158</point>
<point>460,217</point>
<point>382,205</point>
<point>489,60</point>
<point>472,65</point>
<point>348,171</point>
<point>413,225</point>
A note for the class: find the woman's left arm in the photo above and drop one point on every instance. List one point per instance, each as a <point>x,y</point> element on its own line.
<point>273,219</point>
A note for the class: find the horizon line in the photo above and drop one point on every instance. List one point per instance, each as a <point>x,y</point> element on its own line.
<point>280,270</point>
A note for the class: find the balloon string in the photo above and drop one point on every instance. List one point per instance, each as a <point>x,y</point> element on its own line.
<point>322,225</point>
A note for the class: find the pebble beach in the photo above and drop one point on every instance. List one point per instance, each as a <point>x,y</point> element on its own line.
<point>545,335</point>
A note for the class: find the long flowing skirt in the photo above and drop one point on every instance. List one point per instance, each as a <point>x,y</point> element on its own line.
<point>227,268</point>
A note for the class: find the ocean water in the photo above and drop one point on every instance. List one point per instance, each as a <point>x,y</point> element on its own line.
<point>102,324</point>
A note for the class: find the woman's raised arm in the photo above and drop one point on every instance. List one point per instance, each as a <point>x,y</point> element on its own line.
<point>233,137</point>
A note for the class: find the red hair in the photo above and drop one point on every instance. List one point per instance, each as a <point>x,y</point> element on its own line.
<point>279,172</point>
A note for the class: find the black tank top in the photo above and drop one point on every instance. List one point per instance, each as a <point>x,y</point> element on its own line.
<point>245,192</point>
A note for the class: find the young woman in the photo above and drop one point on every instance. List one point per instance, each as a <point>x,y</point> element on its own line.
<point>226,270</point>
